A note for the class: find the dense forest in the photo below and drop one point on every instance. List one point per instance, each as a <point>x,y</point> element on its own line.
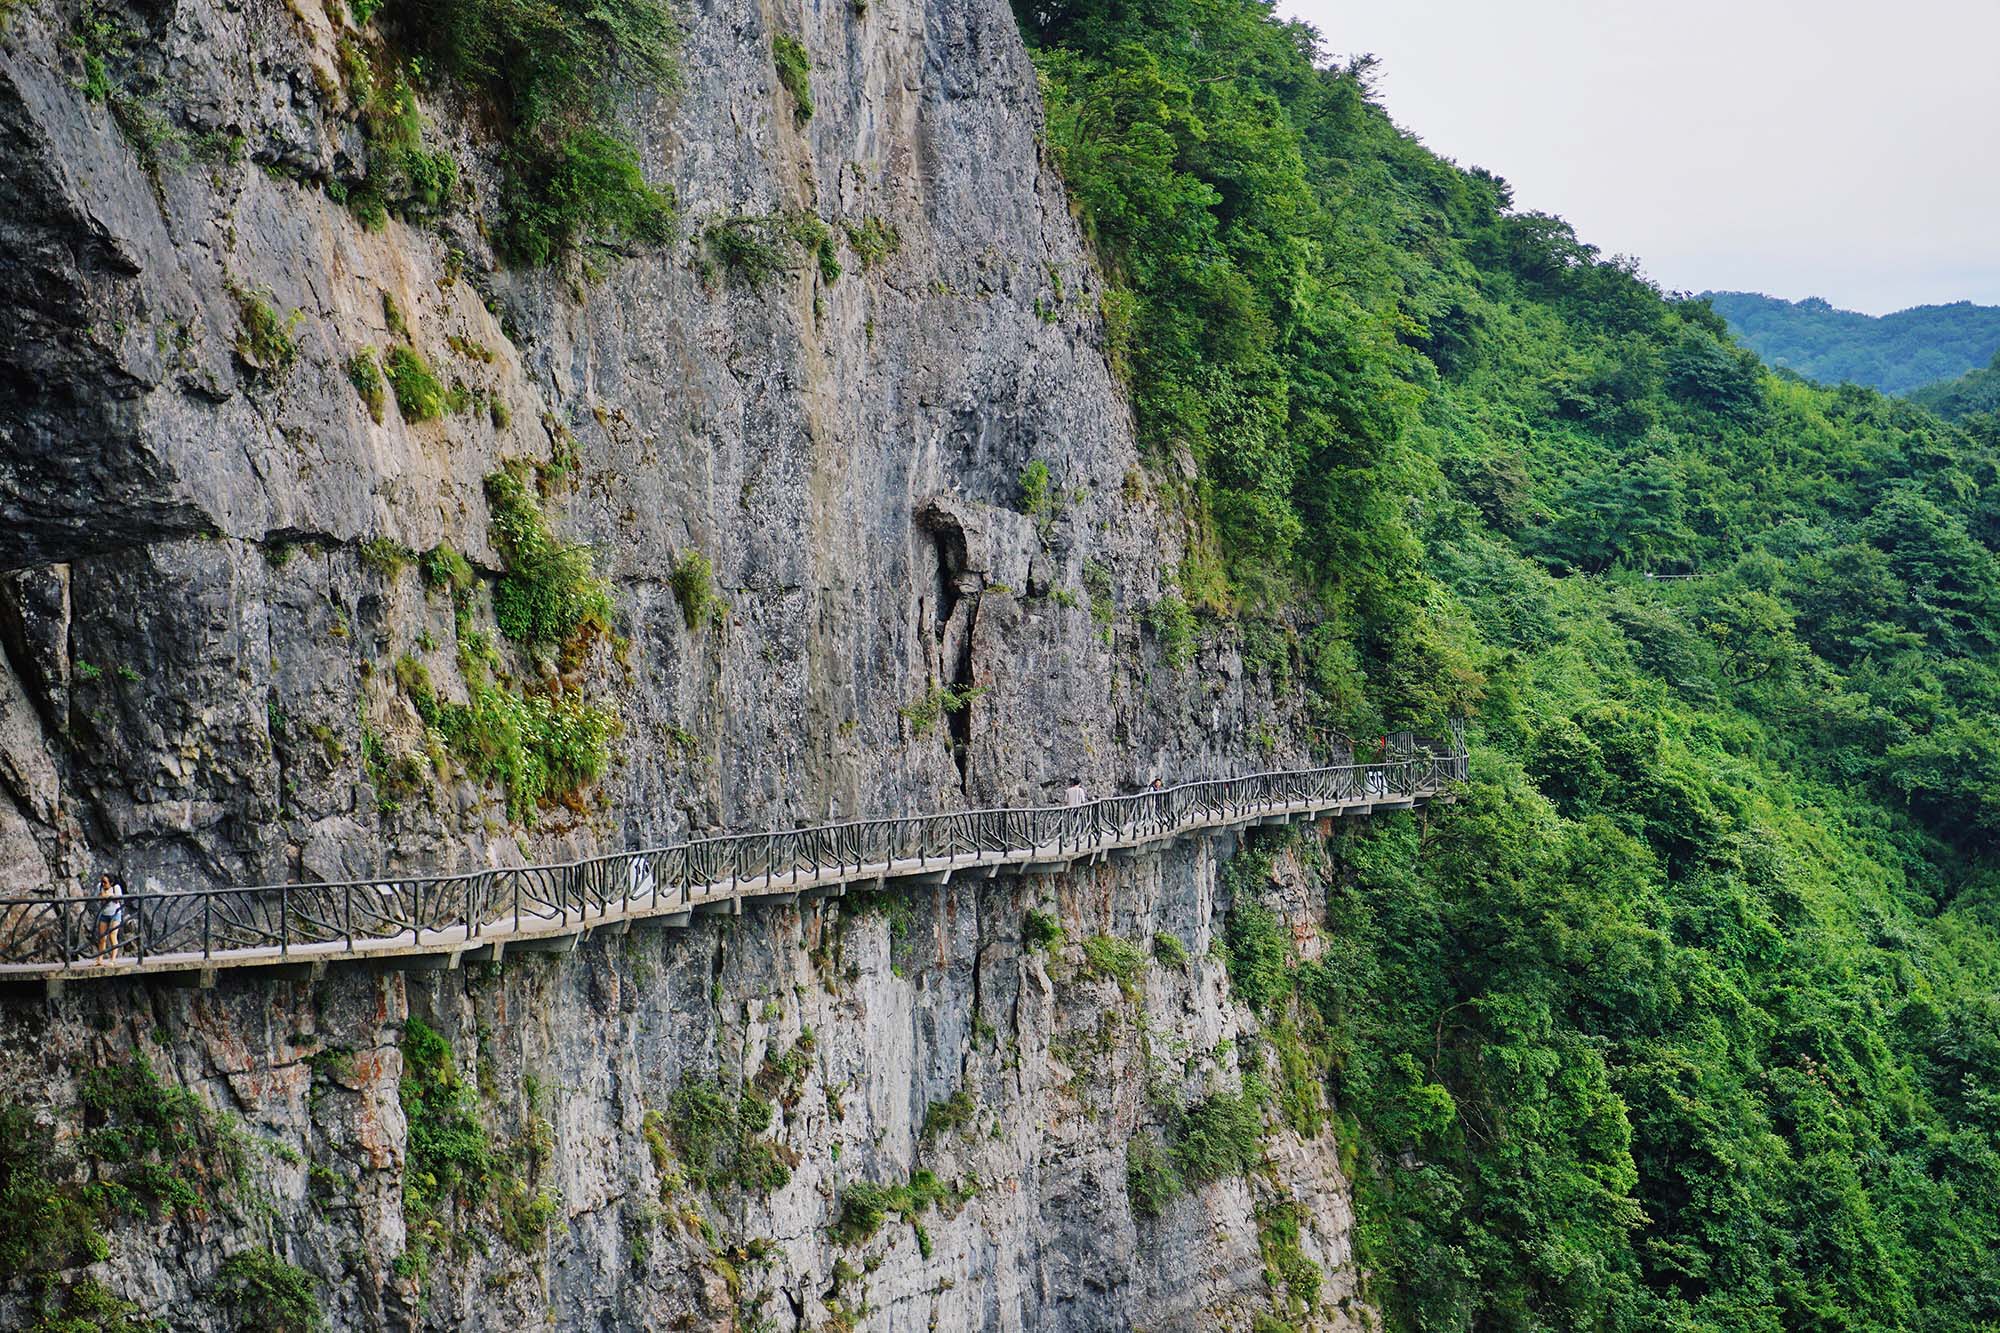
<point>1894,353</point>
<point>1975,392</point>
<point>1685,1017</point>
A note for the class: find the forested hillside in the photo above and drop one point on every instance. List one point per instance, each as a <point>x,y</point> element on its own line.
<point>1685,1017</point>
<point>1894,353</point>
<point>1974,392</point>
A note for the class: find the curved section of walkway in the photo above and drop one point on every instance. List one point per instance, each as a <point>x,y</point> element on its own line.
<point>438,922</point>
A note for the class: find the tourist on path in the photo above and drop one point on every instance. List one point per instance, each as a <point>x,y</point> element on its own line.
<point>110,916</point>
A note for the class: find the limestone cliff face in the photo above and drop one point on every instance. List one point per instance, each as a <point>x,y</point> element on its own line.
<point>194,639</point>
<point>1035,1069</point>
<point>200,650</point>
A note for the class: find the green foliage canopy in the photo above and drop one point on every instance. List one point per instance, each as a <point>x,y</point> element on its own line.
<point>1683,1017</point>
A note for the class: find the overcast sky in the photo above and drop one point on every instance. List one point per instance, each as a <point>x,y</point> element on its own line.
<point>1829,148</point>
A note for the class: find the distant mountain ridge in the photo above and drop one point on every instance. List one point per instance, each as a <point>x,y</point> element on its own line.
<point>1896,353</point>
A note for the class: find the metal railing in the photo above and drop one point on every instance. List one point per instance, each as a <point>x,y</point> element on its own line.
<point>55,934</point>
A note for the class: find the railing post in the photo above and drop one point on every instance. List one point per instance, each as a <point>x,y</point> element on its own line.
<point>207,901</point>
<point>284,920</point>
<point>139,927</point>
<point>347,913</point>
<point>417,913</point>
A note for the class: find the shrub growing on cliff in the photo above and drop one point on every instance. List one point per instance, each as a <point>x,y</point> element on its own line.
<point>264,343</point>
<point>393,318</point>
<point>402,174</point>
<point>444,568</point>
<point>264,1294</point>
<point>385,556</point>
<point>865,1205</point>
<point>755,248</point>
<point>1039,500</point>
<point>1041,930</point>
<point>1152,1181</point>
<point>1258,952</point>
<point>827,251</point>
<point>1286,1266</point>
<point>157,1145</point>
<point>540,746</point>
<point>748,247</point>
<point>953,1113</point>
<point>940,701</point>
<point>450,1157</point>
<point>526,1214</point>
<point>693,582</point>
<point>549,598</point>
<point>449,1148</point>
<point>794,67</point>
<point>872,240</point>
<point>557,75</point>
<point>541,742</point>
<point>1220,1135</point>
<point>1120,960</point>
<point>46,1221</point>
<point>719,1138</point>
<point>1173,625</point>
<point>419,396</point>
<point>367,381</point>
<point>587,184</point>
<point>91,1307</point>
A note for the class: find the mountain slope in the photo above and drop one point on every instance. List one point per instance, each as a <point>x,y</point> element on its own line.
<point>1683,1019</point>
<point>1895,353</point>
<point>1972,393</point>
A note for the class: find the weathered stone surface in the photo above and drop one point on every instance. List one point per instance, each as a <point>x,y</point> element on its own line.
<point>896,1009</point>
<point>196,650</point>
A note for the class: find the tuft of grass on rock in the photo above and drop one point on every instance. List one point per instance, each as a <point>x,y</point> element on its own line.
<point>419,396</point>
<point>794,66</point>
<point>366,378</point>
<point>265,343</point>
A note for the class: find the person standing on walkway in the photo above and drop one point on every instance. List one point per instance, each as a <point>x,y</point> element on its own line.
<point>110,916</point>
<point>1075,795</point>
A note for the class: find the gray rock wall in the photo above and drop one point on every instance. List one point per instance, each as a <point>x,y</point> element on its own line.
<point>188,611</point>
<point>854,1020</point>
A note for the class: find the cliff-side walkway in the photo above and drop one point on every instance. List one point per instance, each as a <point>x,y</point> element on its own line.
<point>442,921</point>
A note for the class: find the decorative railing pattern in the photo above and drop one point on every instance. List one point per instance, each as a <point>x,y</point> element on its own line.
<point>55,935</point>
